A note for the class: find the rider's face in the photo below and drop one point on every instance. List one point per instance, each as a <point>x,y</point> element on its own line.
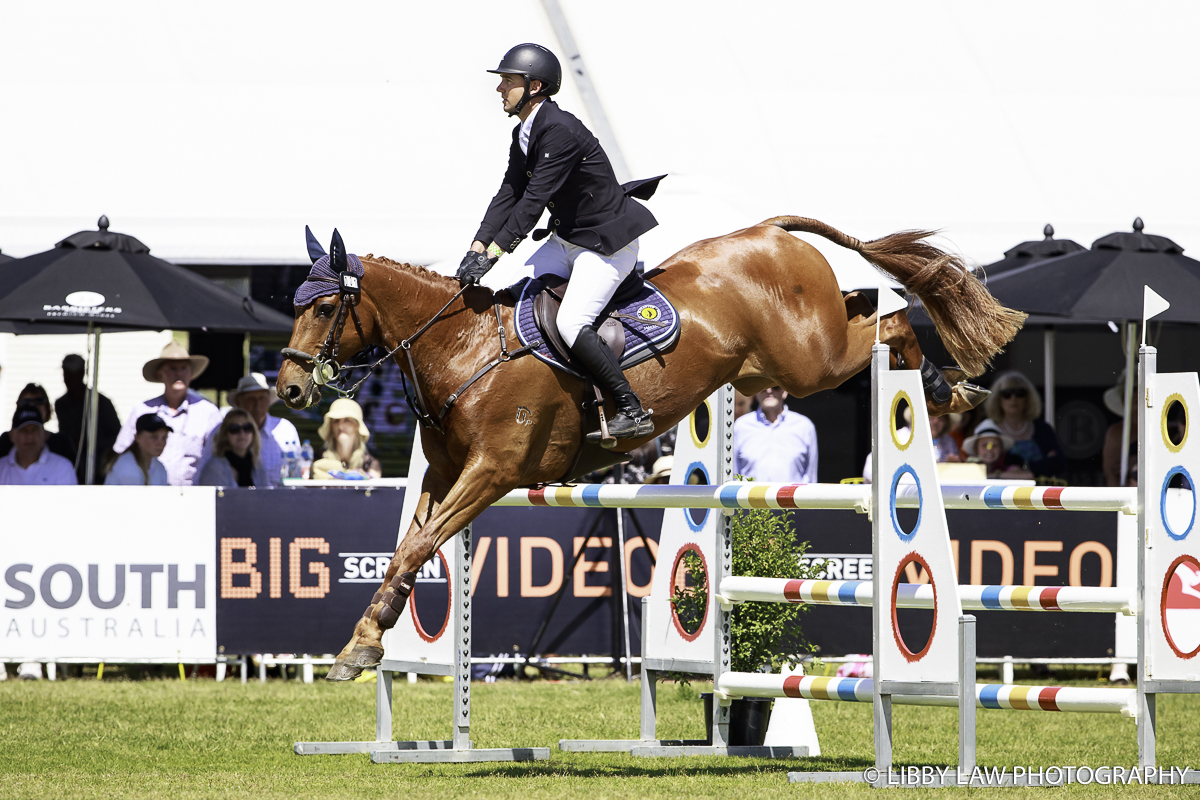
<point>511,87</point>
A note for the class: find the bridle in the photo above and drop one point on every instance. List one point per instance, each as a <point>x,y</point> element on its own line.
<point>327,370</point>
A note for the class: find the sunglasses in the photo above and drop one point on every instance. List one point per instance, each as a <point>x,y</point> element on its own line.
<point>1008,394</point>
<point>243,428</point>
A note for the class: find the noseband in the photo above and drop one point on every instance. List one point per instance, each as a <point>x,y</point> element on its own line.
<point>327,371</point>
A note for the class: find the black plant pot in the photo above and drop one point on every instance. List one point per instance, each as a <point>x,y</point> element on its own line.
<point>748,718</point>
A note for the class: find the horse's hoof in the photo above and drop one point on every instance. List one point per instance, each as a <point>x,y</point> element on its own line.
<point>364,656</point>
<point>342,672</point>
<point>970,394</point>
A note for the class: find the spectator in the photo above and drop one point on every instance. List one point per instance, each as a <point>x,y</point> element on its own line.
<point>34,395</point>
<point>345,434</point>
<point>775,444</point>
<point>139,465</point>
<point>1016,408</point>
<point>662,470</point>
<point>71,409</point>
<point>236,448</point>
<point>741,404</point>
<point>945,448</point>
<point>990,446</point>
<point>30,462</point>
<point>278,436</point>
<point>189,416</point>
<point>1114,401</point>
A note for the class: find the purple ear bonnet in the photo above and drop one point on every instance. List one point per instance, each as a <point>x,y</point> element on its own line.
<point>322,280</point>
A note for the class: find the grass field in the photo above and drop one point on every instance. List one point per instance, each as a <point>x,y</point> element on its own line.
<point>164,738</point>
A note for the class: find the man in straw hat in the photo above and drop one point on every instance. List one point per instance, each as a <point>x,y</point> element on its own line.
<point>189,416</point>
<point>279,436</point>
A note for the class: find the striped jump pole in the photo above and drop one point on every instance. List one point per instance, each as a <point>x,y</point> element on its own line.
<point>1093,599</point>
<point>987,695</point>
<point>753,494</point>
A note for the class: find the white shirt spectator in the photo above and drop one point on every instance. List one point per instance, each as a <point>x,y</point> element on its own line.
<point>278,438</point>
<point>781,452</point>
<point>48,470</point>
<point>126,472</point>
<point>189,424</point>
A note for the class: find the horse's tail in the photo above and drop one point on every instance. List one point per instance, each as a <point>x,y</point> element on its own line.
<point>972,325</point>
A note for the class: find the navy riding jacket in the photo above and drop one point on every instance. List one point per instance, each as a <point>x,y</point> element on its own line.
<point>567,173</point>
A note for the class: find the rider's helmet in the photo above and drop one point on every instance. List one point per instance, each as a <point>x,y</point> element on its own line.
<point>533,62</point>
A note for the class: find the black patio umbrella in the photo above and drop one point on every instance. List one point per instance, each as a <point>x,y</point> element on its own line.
<point>1105,282</point>
<point>1032,252</point>
<point>111,279</point>
<point>100,280</point>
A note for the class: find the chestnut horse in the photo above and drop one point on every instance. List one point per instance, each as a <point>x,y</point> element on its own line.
<point>758,308</point>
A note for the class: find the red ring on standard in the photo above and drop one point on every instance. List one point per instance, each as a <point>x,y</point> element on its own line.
<point>1162,604</point>
<point>412,604</point>
<point>909,655</point>
<point>690,637</point>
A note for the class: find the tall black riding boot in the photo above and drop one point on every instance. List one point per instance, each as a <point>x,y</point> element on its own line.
<point>631,421</point>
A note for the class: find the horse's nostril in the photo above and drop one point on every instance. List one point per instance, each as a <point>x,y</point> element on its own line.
<point>293,392</point>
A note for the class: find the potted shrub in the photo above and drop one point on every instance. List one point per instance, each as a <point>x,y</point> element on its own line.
<point>765,636</point>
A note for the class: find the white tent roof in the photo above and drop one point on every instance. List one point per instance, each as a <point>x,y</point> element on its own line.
<point>215,132</point>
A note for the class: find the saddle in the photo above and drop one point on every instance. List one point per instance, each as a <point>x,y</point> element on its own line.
<point>637,324</point>
<point>546,305</point>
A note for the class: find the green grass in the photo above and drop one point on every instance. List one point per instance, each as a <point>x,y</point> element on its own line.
<point>164,738</point>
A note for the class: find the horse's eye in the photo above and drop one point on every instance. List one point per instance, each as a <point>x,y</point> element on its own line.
<point>325,310</point>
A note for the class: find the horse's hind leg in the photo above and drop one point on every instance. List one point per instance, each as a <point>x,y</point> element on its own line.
<point>477,488</point>
<point>943,394</point>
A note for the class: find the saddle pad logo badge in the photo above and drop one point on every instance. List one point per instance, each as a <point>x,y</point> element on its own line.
<point>648,312</point>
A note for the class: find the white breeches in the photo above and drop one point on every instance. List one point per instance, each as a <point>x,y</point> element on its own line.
<point>594,279</point>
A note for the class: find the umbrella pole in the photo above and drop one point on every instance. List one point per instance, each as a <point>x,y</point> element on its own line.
<point>1048,357</point>
<point>93,404</point>
<point>1130,338</point>
<point>87,404</point>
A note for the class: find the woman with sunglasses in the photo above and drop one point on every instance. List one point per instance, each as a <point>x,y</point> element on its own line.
<point>235,460</point>
<point>1016,408</point>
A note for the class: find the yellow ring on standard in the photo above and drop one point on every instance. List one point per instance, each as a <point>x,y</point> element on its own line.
<point>892,420</point>
<point>696,440</point>
<point>1187,422</point>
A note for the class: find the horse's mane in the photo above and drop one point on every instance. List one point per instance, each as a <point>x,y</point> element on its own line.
<point>425,275</point>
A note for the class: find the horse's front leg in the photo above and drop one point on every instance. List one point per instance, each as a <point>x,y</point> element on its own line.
<point>440,515</point>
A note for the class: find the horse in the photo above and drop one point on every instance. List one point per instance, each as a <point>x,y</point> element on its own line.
<point>758,307</point>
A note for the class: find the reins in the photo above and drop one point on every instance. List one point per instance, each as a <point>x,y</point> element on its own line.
<point>326,370</point>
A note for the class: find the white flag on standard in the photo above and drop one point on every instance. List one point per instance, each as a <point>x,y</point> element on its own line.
<point>1153,304</point>
<point>889,302</point>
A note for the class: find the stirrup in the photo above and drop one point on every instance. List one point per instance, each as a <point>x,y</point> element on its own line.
<point>622,426</point>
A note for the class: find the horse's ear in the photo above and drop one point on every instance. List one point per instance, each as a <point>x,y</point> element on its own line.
<point>337,253</point>
<point>315,251</point>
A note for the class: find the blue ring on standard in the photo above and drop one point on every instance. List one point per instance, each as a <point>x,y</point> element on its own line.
<point>906,537</point>
<point>687,512</point>
<point>1162,503</point>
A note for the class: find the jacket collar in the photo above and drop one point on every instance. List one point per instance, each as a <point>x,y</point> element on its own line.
<point>545,109</point>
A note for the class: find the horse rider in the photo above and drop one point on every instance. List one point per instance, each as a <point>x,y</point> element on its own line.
<point>556,164</point>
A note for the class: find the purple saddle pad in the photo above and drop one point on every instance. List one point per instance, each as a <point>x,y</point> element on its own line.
<point>651,326</point>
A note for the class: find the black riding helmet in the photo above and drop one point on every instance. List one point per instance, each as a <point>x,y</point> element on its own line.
<point>533,62</point>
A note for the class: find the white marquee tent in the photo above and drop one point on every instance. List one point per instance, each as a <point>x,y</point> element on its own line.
<point>214,132</point>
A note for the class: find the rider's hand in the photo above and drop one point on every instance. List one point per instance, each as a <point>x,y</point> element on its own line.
<point>473,267</point>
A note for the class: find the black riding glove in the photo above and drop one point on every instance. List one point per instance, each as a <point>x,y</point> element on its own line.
<point>473,267</point>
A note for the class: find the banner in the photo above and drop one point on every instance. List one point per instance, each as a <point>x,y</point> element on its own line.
<point>1046,548</point>
<point>298,567</point>
<point>108,573</point>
